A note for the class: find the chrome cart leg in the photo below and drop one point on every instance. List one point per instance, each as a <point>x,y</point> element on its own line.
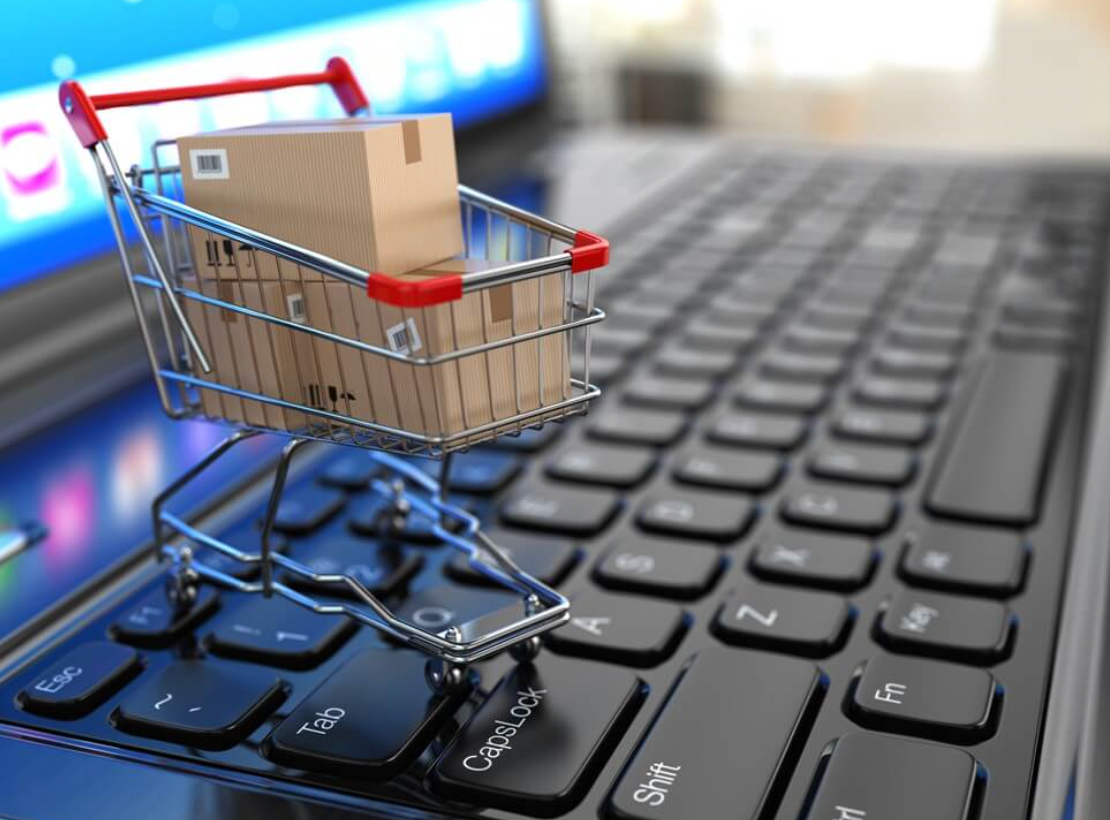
<point>444,677</point>
<point>181,588</point>
<point>276,491</point>
<point>526,651</point>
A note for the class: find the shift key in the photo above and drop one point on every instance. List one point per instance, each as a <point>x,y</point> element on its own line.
<point>721,744</point>
<point>537,742</point>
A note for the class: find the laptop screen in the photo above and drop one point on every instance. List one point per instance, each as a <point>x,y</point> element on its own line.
<point>474,58</point>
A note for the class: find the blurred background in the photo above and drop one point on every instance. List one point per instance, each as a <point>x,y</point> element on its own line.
<point>985,75</point>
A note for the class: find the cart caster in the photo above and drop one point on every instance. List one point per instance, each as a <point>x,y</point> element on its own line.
<point>527,650</point>
<point>183,583</point>
<point>446,678</point>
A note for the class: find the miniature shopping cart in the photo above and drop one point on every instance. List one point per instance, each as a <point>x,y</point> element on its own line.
<point>197,379</point>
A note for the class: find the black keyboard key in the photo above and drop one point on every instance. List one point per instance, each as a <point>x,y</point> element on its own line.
<point>619,340</point>
<point>714,516</point>
<point>821,340</point>
<point>700,760</point>
<point>839,562</point>
<point>668,393</point>
<point>728,470</point>
<point>541,505</point>
<point>352,471</point>
<point>774,395</point>
<point>202,704</point>
<point>730,339</point>
<point>437,608</point>
<point>912,394</point>
<point>940,700</point>
<point>632,426</point>
<point>370,719</point>
<point>381,568</point>
<point>308,508</point>
<point>927,337</point>
<point>654,566</point>
<point>482,472</point>
<point>620,629</point>
<point>548,559</point>
<point>604,368</point>
<point>80,680</point>
<point>774,432</point>
<point>536,744</point>
<point>533,439</point>
<point>893,361</point>
<point>993,459</point>
<point>965,558</point>
<point>247,537</point>
<point>883,426</point>
<point>783,364</point>
<point>946,626</point>
<point>814,624</point>
<point>878,776</point>
<point>153,622</point>
<point>690,363</point>
<point>278,632</point>
<point>863,464</point>
<point>840,508</point>
<point>608,465</point>
<point>372,518</point>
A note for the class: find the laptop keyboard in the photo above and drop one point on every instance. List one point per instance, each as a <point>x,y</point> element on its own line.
<point>815,536</point>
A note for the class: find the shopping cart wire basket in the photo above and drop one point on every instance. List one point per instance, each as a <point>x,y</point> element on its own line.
<point>421,399</point>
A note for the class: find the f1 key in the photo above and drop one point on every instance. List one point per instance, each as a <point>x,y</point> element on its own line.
<point>537,742</point>
<point>705,759</point>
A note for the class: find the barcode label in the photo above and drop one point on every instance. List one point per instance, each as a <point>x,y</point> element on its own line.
<point>403,337</point>
<point>297,312</point>
<point>209,163</point>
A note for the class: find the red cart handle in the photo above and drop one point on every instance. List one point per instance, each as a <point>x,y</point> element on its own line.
<point>82,110</point>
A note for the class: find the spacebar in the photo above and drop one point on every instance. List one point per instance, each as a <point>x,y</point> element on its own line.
<point>721,746</point>
<point>992,465</point>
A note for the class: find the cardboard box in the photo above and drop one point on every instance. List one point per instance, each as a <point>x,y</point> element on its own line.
<point>434,400</point>
<point>479,388</point>
<point>379,193</point>
<point>252,354</point>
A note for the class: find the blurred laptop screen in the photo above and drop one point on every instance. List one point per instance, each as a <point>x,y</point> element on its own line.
<point>474,58</point>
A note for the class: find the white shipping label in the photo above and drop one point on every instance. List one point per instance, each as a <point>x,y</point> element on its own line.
<point>404,338</point>
<point>209,163</point>
<point>297,311</point>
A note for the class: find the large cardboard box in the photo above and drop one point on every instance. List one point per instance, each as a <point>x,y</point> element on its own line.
<point>379,193</point>
<point>438,399</point>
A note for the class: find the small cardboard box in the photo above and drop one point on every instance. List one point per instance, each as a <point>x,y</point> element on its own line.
<point>483,387</point>
<point>438,399</point>
<point>254,355</point>
<point>379,193</point>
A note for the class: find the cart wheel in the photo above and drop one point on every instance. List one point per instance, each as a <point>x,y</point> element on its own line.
<point>527,650</point>
<point>183,583</point>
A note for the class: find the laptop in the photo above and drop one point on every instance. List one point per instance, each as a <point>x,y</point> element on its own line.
<point>833,536</point>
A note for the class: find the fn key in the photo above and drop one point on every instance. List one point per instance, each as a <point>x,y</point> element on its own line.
<point>877,776</point>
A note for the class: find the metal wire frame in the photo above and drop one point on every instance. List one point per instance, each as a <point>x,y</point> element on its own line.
<point>345,428</point>
<point>544,608</point>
